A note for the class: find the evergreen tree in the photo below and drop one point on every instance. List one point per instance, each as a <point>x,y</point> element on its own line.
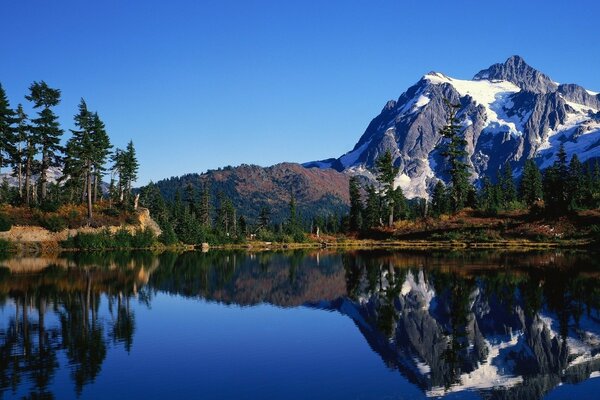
<point>7,130</point>
<point>264,217</point>
<point>576,183</point>
<point>456,155</point>
<point>46,129</point>
<point>102,146</point>
<point>373,208</point>
<point>507,184</point>
<point>356,207</point>
<point>226,216</point>
<point>204,208</point>
<point>439,203</point>
<point>531,188</point>
<point>292,223</point>
<point>386,173</point>
<point>490,196</point>
<point>400,206</point>
<point>126,163</point>
<point>24,152</point>
<point>556,186</point>
<point>79,154</point>
<point>190,198</point>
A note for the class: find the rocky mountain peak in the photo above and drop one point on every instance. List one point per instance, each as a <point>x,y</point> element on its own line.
<point>517,71</point>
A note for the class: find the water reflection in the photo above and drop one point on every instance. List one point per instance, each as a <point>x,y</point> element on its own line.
<point>503,325</point>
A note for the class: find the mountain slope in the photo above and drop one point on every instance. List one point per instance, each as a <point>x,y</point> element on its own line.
<point>317,192</point>
<point>510,113</point>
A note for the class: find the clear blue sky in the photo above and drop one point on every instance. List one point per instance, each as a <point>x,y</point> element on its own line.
<point>202,84</point>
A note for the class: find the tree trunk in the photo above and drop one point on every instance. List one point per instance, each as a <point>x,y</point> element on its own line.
<point>89,191</point>
<point>20,173</point>
<point>43,176</point>
<point>96,187</point>
<point>28,177</point>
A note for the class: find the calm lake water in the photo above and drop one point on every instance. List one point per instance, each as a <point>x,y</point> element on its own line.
<point>301,325</point>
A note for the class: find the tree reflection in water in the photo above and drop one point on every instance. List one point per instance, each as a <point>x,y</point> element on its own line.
<point>508,325</point>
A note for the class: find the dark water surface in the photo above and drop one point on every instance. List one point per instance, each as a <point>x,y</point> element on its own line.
<point>301,325</point>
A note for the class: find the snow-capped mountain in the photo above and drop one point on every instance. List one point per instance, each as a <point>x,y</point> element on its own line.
<point>510,112</point>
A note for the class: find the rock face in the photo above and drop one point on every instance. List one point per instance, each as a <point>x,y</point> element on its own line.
<point>510,112</point>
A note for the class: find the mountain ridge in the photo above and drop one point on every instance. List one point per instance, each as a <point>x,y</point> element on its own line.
<point>510,112</point>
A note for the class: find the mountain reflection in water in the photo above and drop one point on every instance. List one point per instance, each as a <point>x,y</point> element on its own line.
<point>492,325</point>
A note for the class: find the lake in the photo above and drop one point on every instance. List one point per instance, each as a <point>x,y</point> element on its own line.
<point>369,324</point>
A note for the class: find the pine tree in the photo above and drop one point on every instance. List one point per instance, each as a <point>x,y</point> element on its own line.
<point>576,183</point>
<point>190,197</point>
<point>507,185</point>
<point>489,196</point>
<point>356,207</point>
<point>79,153</point>
<point>46,129</point>
<point>125,161</point>
<point>386,174</point>
<point>373,208</point>
<point>24,152</point>
<point>439,203</point>
<point>204,208</point>
<point>226,216</point>
<point>264,217</point>
<point>7,130</point>
<point>102,146</point>
<point>556,186</point>
<point>292,223</point>
<point>456,155</point>
<point>531,188</point>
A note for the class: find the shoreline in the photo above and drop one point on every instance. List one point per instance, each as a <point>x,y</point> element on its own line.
<point>52,248</point>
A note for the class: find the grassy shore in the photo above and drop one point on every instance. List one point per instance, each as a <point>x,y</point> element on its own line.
<point>466,230</point>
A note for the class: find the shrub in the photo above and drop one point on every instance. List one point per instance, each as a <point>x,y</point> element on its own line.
<point>5,223</point>
<point>93,241</point>
<point>54,223</point>
<point>5,246</point>
<point>111,212</point>
<point>143,239</point>
<point>168,236</point>
<point>122,239</point>
<point>49,206</point>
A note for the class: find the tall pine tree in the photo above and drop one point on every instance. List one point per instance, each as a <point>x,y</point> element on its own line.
<point>531,188</point>
<point>356,207</point>
<point>46,129</point>
<point>386,173</point>
<point>456,155</point>
<point>7,130</point>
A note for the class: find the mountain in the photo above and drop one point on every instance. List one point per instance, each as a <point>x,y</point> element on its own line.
<point>250,187</point>
<point>510,113</point>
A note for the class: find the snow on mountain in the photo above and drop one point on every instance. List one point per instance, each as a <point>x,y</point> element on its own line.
<point>510,112</point>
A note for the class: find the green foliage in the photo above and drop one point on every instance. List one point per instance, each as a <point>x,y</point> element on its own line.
<point>54,223</point>
<point>531,188</point>
<point>556,184</point>
<point>5,246</point>
<point>456,155</point>
<point>5,223</point>
<point>356,206</point>
<point>104,240</point>
<point>393,199</point>
<point>439,200</point>
<point>46,129</point>
<point>168,236</point>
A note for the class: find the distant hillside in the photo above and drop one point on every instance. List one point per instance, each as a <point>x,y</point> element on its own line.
<point>317,191</point>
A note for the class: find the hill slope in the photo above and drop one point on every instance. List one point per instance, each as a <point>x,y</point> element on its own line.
<point>317,192</point>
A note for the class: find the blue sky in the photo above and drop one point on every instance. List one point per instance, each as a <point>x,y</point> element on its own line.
<point>203,84</point>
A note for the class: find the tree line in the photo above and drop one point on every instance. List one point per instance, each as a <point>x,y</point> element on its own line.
<point>564,187</point>
<point>31,147</point>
